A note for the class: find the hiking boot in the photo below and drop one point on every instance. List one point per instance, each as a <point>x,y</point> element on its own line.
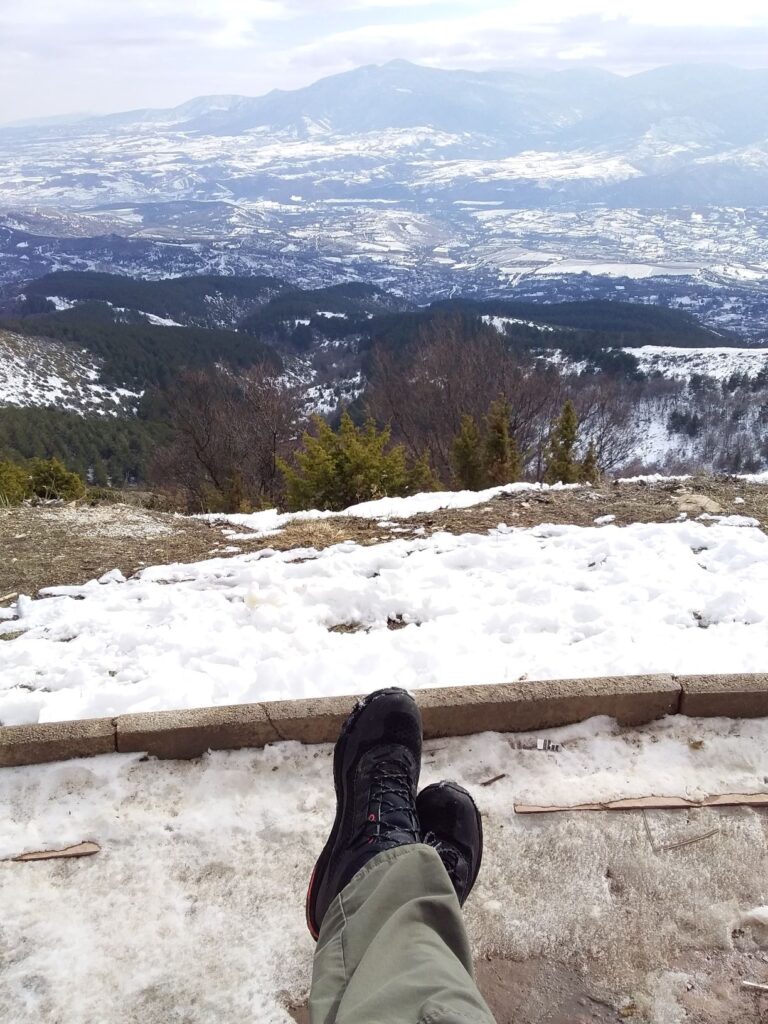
<point>376,767</point>
<point>451,824</point>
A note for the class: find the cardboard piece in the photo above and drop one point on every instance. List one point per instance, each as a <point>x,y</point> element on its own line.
<point>639,803</point>
<point>79,850</point>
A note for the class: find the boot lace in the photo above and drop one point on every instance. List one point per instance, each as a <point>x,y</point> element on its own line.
<point>391,795</point>
<point>447,853</point>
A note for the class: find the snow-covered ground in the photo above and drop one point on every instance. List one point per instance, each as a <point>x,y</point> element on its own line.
<point>553,601</point>
<point>193,908</point>
<point>681,363</point>
<point>34,371</point>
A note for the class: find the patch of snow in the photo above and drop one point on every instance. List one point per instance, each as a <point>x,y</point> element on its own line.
<point>61,303</point>
<point>650,478</point>
<point>548,602</point>
<point>501,322</point>
<point>729,520</point>
<point>160,321</point>
<point>681,363</point>
<point>382,508</point>
<point>36,371</point>
<point>633,270</point>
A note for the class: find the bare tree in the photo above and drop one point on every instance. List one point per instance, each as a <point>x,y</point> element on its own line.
<point>228,432</point>
<point>604,406</point>
<point>457,367</point>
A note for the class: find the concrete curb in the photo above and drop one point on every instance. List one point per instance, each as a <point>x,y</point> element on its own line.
<point>727,696</point>
<point>56,741</point>
<point>451,711</point>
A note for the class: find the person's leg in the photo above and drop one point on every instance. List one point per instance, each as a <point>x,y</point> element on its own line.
<point>393,948</point>
<point>384,897</point>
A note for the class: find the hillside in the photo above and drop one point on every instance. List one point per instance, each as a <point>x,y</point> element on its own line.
<point>38,371</point>
<point>108,343</point>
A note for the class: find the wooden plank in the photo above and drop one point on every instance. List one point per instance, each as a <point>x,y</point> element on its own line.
<point>79,850</point>
<point>654,802</point>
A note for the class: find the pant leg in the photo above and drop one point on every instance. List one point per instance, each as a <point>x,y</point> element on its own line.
<point>393,949</point>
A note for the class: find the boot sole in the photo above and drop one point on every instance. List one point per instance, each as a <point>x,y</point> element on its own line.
<point>340,788</point>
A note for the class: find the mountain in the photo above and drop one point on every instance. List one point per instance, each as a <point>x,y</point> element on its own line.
<point>576,107</point>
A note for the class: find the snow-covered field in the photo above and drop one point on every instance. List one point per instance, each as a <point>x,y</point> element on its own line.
<point>553,601</point>
<point>193,908</point>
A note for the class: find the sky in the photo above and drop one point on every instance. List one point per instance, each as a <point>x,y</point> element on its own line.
<point>99,56</point>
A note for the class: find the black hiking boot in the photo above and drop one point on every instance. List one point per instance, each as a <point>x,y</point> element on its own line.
<point>451,823</point>
<point>376,767</point>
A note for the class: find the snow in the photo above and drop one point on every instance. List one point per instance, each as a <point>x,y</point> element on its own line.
<point>500,323</point>
<point>549,602</point>
<point>632,270</point>
<point>36,371</point>
<point>160,321</point>
<point>61,303</point>
<point>270,520</point>
<point>718,363</point>
<point>193,909</point>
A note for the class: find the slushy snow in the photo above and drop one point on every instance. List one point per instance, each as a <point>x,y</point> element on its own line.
<point>193,909</point>
<point>555,601</point>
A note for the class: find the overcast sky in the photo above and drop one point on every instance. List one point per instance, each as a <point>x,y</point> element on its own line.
<point>60,56</point>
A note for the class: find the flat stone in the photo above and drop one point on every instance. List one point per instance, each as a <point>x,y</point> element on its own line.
<point>55,741</point>
<point>696,504</point>
<point>190,733</point>
<point>728,696</point>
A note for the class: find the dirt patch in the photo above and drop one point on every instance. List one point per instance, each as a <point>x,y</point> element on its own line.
<point>627,503</point>
<point>43,547</point>
<point>71,544</point>
<point>549,992</point>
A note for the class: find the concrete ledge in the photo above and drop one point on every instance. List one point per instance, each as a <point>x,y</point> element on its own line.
<point>55,741</point>
<point>185,734</point>
<point>732,696</point>
<point>451,711</point>
<point>314,720</point>
<point>523,706</point>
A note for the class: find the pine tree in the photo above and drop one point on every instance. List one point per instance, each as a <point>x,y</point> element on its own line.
<point>501,457</point>
<point>50,479</point>
<point>561,463</point>
<point>14,484</point>
<point>590,472</point>
<point>421,476</point>
<point>468,456</point>
<point>335,469</point>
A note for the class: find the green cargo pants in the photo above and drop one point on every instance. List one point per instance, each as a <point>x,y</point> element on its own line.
<point>393,949</point>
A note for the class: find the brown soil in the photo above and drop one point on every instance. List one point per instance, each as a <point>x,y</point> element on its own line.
<point>50,546</point>
<point>549,992</point>
<point>629,503</point>
<point>58,545</point>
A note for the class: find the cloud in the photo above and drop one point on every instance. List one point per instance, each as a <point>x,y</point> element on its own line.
<point>77,54</point>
